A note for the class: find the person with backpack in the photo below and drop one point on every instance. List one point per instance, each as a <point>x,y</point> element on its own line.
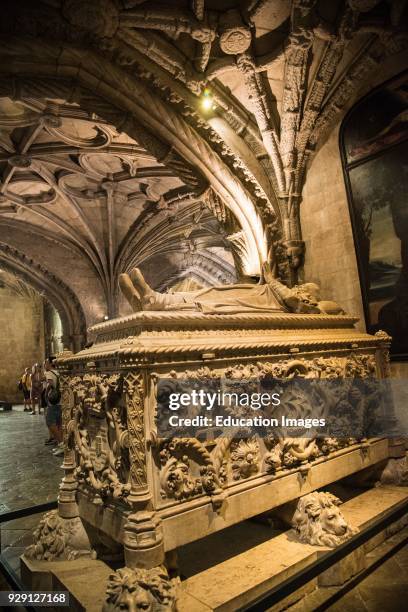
<point>36,387</point>
<point>53,416</point>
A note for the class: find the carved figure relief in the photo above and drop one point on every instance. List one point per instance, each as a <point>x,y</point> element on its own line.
<point>178,457</point>
<point>245,458</point>
<point>268,297</point>
<point>176,480</point>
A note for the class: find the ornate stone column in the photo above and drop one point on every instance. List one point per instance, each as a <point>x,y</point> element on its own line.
<point>133,388</point>
<point>67,502</point>
<point>143,541</point>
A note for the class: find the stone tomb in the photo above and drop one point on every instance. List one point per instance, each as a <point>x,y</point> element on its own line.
<point>126,490</point>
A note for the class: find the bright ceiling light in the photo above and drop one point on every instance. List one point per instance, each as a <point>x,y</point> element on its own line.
<point>207,101</point>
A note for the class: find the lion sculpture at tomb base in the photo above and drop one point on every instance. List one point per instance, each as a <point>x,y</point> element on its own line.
<point>318,520</point>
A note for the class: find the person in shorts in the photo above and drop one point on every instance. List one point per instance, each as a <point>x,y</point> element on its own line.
<point>53,416</point>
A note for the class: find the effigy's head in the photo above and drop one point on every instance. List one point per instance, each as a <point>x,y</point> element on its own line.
<point>139,590</point>
<point>319,521</point>
<point>312,289</point>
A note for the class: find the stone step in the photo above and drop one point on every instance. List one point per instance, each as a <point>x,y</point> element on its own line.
<point>85,580</point>
<point>240,580</point>
<point>251,575</point>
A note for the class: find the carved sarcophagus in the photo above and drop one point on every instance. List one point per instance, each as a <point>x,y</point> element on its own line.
<point>150,495</point>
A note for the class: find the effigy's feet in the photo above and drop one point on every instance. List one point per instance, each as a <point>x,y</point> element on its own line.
<point>139,283</point>
<point>129,291</point>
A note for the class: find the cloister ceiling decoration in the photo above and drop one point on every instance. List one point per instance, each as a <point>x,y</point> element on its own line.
<point>75,181</point>
<point>117,87</point>
<point>16,285</point>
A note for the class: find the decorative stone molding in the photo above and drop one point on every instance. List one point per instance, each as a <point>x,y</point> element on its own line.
<point>318,521</point>
<point>133,388</point>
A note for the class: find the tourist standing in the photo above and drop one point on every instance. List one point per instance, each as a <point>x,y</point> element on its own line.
<point>53,411</point>
<point>36,388</point>
<point>25,386</point>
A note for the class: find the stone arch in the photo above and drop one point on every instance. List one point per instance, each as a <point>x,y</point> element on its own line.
<point>34,69</point>
<point>54,289</point>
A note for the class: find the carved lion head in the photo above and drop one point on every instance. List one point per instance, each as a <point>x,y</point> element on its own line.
<point>318,520</point>
<point>138,590</point>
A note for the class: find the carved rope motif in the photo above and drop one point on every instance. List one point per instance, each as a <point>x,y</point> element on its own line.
<point>135,437</point>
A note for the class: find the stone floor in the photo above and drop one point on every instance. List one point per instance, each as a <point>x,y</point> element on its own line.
<point>384,590</point>
<point>29,475</point>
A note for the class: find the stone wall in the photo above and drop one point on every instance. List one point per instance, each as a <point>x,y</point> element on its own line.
<point>21,339</point>
<point>330,254</point>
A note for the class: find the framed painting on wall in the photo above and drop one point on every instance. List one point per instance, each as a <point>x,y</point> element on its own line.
<point>374,145</point>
